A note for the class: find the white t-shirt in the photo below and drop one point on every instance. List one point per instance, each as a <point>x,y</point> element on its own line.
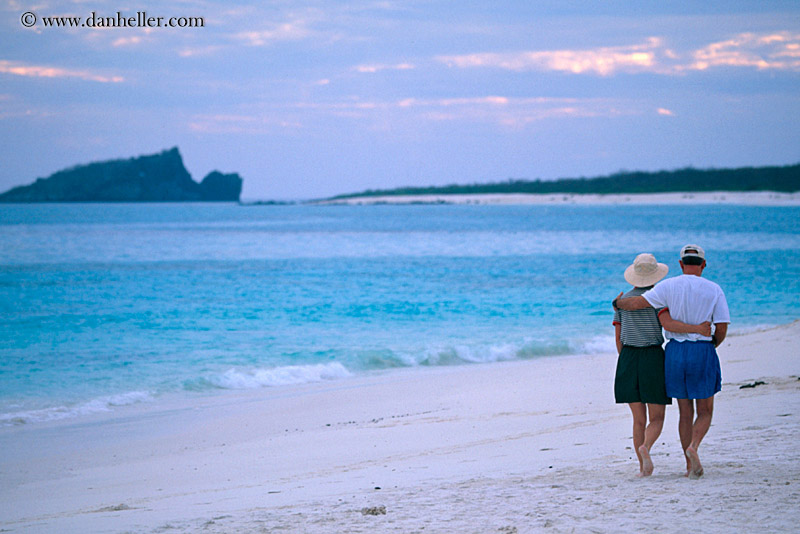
<point>691,299</point>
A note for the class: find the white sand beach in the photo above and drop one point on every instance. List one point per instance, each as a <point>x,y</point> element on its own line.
<point>754,198</point>
<point>524,446</point>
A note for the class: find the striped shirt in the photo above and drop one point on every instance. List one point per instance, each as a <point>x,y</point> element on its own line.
<point>640,328</point>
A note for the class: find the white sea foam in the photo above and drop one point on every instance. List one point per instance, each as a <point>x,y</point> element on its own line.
<point>597,345</point>
<point>278,376</point>
<point>55,413</point>
<point>500,352</point>
<point>470,354</point>
<point>749,329</point>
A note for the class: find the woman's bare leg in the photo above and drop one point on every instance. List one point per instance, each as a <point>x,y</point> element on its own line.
<point>651,433</point>
<point>639,412</point>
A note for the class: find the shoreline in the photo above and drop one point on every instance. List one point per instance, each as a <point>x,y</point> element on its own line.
<point>516,446</point>
<point>755,198</point>
<point>83,409</point>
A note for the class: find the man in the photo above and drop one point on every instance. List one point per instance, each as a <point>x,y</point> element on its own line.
<point>691,364</point>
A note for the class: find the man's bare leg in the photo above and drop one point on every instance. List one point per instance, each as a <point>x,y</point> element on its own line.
<point>685,424</point>
<point>705,411</point>
<point>639,412</point>
<point>651,433</point>
<point>692,436</point>
<point>695,469</point>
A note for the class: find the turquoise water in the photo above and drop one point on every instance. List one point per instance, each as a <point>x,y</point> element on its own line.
<point>110,304</point>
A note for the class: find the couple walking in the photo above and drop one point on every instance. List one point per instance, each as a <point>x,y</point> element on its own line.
<point>694,315</point>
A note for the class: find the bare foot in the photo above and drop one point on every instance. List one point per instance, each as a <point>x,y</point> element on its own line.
<point>647,463</point>
<point>695,469</point>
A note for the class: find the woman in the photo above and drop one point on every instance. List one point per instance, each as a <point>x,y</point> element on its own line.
<point>639,379</point>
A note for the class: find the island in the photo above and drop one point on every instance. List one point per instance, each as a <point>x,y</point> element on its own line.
<point>158,177</point>
<point>777,179</point>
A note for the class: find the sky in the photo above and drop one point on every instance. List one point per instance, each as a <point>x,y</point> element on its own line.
<point>308,99</point>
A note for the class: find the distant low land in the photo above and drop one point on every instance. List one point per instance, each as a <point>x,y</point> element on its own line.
<point>785,179</point>
<point>158,177</point>
<point>162,177</point>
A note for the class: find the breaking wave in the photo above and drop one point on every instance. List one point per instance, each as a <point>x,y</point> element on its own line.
<point>55,413</point>
<point>270,377</point>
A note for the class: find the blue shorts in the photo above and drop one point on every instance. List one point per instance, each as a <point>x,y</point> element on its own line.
<point>691,369</point>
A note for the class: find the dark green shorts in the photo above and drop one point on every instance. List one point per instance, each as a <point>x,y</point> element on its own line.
<point>640,376</point>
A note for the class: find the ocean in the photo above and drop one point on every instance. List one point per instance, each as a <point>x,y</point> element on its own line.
<point>106,305</point>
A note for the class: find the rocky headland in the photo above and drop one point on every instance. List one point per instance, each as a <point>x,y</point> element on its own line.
<point>158,177</point>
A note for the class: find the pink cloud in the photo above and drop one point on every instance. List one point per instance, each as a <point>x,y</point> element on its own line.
<point>40,71</point>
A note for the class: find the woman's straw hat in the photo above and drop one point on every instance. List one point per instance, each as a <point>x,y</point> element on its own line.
<point>645,271</point>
